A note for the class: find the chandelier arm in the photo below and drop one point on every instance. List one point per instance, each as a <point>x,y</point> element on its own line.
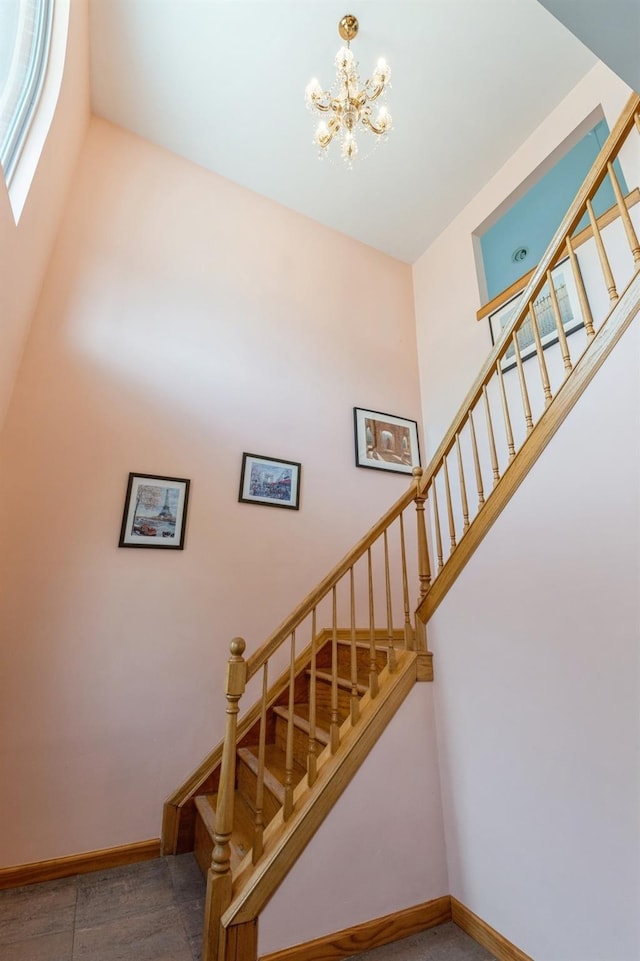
<point>372,126</point>
<point>373,95</point>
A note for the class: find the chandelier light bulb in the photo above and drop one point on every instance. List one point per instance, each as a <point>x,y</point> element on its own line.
<point>349,104</point>
<point>313,90</point>
<point>323,135</point>
<point>382,73</point>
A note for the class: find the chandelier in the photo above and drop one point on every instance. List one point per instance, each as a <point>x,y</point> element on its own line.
<point>349,105</point>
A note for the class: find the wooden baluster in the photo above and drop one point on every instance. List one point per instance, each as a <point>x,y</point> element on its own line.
<point>373,662</point>
<point>562,337</point>
<point>424,568</point>
<point>391,657</point>
<point>505,410</point>
<point>632,237</point>
<point>354,702</point>
<point>219,874</point>
<point>258,837</point>
<point>409,634</point>
<point>288,764</point>
<point>582,294</point>
<point>447,490</point>
<point>436,518</point>
<point>542,364</point>
<point>463,488</point>
<point>492,440</point>
<point>528,419</point>
<point>312,759</point>
<point>334,725</point>
<point>602,255</point>
<point>476,460</point>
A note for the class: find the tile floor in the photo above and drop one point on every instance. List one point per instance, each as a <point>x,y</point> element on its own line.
<point>447,942</point>
<point>153,911</point>
<point>150,911</point>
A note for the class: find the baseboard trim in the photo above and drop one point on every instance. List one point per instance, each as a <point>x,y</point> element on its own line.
<point>15,877</point>
<point>371,934</point>
<point>484,934</point>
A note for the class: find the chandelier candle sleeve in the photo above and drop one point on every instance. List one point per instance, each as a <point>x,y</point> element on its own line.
<point>348,104</point>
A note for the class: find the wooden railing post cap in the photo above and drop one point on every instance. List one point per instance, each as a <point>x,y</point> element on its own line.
<point>236,669</point>
<point>237,646</point>
<point>417,472</point>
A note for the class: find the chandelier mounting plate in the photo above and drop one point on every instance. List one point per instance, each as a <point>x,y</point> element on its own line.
<point>348,27</point>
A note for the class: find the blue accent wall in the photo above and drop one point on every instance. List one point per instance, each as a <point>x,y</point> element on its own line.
<point>533,220</point>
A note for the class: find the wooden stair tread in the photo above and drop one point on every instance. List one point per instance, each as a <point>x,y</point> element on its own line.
<point>365,645</point>
<point>243,824</point>
<point>343,682</point>
<point>275,767</point>
<point>301,721</point>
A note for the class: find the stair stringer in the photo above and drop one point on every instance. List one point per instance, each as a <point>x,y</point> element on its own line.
<point>285,841</point>
<point>607,336</point>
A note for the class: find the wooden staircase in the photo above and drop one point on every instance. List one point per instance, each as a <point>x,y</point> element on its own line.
<point>253,804</point>
<point>246,795</point>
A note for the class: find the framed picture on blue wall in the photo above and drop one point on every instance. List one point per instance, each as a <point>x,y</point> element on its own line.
<point>569,308</point>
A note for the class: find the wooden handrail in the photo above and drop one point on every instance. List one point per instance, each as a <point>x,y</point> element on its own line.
<point>555,250</point>
<point>306,606</point>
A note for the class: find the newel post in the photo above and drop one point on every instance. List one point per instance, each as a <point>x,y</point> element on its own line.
<point>424,569</point>
<point>219,879</point>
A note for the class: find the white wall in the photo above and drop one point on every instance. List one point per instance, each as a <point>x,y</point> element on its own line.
<point>380,849</point>
<point>537,661</point>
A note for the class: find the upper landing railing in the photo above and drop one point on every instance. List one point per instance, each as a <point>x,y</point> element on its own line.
<point>555,336</point>
<point>548,335</point>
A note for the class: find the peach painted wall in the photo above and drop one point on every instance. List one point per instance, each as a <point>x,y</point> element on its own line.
<point>452,344</point>
<point>25,249</point>
<point>183,320</point>
<point>380,849</point>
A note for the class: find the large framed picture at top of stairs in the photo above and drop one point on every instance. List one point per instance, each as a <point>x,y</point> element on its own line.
<point>385,442</point>
<point>562,301</point>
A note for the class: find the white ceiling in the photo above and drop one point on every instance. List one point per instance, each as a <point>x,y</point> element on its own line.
<point>221,82</point>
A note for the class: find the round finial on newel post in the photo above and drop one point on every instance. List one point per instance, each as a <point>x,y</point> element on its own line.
<point>237,646</point>
<point>417,472</point>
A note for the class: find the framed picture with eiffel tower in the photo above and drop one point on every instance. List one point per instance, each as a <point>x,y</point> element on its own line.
<point>155,512</point>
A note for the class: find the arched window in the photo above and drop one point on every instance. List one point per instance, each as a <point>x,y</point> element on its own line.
<point>25,34</point>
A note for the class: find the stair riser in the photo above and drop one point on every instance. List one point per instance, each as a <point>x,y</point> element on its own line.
<point>300,742</point>
<point>247,782</point>
<point>203,846</point>
<point>323,699</point>
<point>363,660</point>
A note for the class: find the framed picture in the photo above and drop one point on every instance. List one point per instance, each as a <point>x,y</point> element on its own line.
<point>567,296</point>
<point>270,481</point>
<point>385,442</point>
<point>155,512</point>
